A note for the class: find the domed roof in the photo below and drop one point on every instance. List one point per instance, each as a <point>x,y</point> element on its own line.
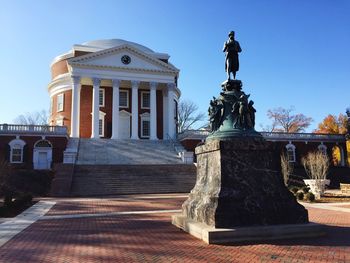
<point>109,43</point>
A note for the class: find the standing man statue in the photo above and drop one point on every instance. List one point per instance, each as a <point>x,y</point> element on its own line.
<point>232,48</point>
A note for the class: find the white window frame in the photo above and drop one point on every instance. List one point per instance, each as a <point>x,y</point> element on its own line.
<point>127,98</point>
<point>51,105</point>
<point>103,93</point>
<point>145,117</point>
<point>60,106</point>
<point>16,144</point>
<point>59,122</point>
<point>291,148</point>
<point>322,148</point>
<point>149,96</point>
<point>102,116</point>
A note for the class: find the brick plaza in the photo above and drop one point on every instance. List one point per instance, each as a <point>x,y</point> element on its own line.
<point>138,229</point>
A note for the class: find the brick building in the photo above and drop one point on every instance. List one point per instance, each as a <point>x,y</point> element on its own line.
<point>114,89</point>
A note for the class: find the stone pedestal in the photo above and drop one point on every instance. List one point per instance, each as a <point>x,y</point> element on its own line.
<point>240,195</point>
<point>238,185</point>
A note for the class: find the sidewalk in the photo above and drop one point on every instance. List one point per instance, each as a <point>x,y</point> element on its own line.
<point>138,229</point>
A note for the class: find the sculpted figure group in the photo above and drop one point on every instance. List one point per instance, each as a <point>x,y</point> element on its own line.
<point>242,111</point>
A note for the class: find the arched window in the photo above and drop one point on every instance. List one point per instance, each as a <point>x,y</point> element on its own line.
<point>16,152</point>
<point>290,152</point>
<point>322,148</point>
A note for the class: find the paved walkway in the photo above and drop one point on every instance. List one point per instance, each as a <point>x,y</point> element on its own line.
<point>138,229</point>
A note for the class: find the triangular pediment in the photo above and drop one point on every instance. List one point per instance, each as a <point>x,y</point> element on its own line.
<point>125,57</point>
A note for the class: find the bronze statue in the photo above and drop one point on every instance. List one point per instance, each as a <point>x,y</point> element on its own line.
<point>232,48</point>
<point>215,114</point>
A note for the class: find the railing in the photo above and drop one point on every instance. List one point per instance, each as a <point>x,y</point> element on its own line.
<point>272,136</point>
<point>302,136</point>
<point>32,129</point>
<point>196,134</point>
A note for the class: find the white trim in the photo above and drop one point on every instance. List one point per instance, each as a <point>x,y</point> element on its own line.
<point>127,98</point>
<point>145,117</point>
<point>103,97</point>
<point>102,116</point>
<point>149,101</point>
<point>67,55</point>
<point>36,153</point>
<point>291,148</point>
<point>322,148</point>
<point>59,121</point>
<point>81,60</point>
<point>58,108</point>
<point>12,144</point>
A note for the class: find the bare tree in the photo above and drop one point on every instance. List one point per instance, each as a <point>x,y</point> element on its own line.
<point>316,165</point>
<point>33,118</point>
<point>287,168</point>
<point>284,121</point>
<point>189,115</point>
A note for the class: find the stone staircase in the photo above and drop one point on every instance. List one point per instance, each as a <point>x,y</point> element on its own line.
<point>125,152</point>
<point>114,167</point>
<point>95,180</point>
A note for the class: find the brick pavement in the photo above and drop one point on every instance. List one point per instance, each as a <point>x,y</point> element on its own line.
<point>152,238</point>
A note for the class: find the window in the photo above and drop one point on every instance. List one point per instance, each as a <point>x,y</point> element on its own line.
<point>290,152</point>
<point>101,97</point>
<point>51,105</point>
<point>101,124</point>
<point>100,127</point>
<point>16,154</point>
<point>145,128</point>
<point>145,125</point>
<point>60,102</point>
<point>145,100</point>
<point>59,122</point>
<point>322,148</point>
<point>124,99</point>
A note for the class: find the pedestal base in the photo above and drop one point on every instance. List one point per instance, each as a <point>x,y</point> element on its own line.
<point>212,235</point>
<point>238,184</point>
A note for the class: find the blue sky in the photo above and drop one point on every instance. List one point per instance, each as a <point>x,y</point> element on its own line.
<point>295,53</point>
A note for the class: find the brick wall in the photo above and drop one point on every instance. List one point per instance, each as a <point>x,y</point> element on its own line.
<point>58,146</point>
<point>67,107</point>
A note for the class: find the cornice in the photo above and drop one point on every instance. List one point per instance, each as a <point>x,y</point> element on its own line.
<point>87,57</point>
<point>125,69</point>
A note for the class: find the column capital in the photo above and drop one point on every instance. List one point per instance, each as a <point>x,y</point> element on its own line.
<point>116,82</point>
<point>171,86</point>
<point>76,80</point>
<point>96,81</point>
<point>135,83</point>
<point>153,85</point>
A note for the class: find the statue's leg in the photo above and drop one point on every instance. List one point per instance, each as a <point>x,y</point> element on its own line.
<point>234,74</point>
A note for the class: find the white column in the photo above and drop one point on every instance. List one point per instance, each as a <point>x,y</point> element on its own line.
<point>115,109</point>
<point>171,110</point>
<point>134,110</point>
<point>153,109</point>
<point>165,114</point>
<point>74,121</point>
<point>95,108</point>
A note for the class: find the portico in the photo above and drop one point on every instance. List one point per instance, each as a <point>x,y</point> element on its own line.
<point>123,92</point>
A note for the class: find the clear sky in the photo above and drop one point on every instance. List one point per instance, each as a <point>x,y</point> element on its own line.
<point>295,53</point>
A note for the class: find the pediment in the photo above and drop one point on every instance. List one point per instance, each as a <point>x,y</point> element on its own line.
<point>112,59</point>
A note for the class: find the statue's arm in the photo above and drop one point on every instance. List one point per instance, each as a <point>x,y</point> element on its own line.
<point>225,47</point>
<point>238,47</point>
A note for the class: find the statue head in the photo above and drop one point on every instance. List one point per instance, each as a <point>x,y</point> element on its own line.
<point>231,34</point>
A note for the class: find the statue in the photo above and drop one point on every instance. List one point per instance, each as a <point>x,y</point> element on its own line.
<point>232,48</point>
<point>215,114</point>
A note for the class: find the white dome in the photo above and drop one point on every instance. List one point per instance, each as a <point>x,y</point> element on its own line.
<point>109,43</point>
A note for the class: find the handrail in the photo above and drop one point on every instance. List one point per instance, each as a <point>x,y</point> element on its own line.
<point>19,128</point>
<point>201,134</point>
